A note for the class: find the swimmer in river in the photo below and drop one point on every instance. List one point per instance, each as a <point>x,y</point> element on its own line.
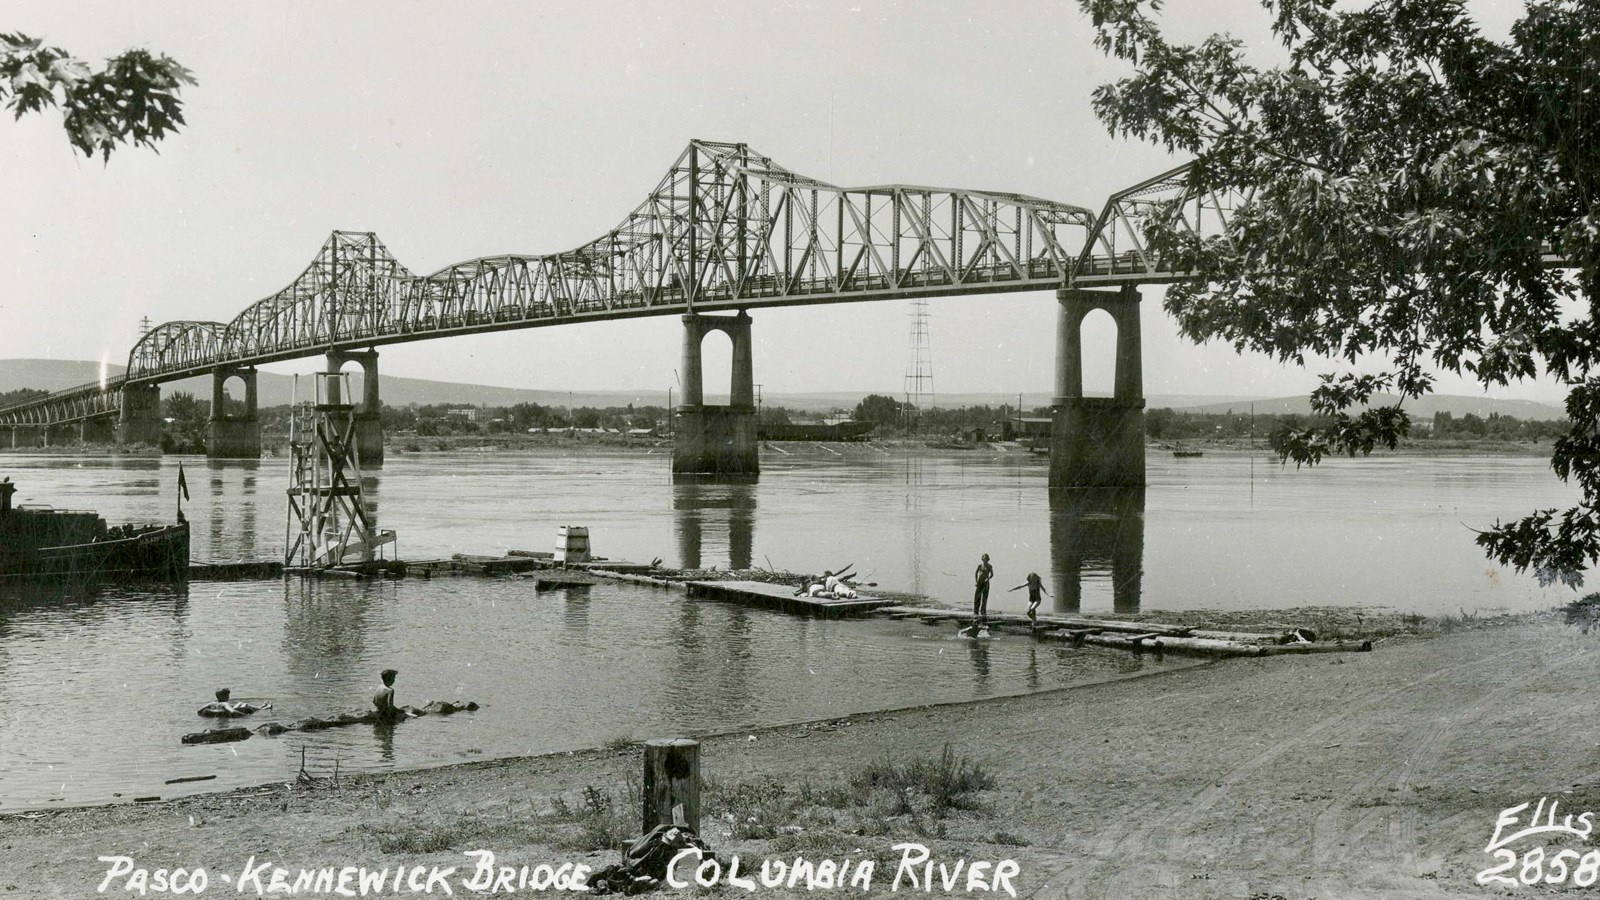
<point>222,709</point>
<point>1034,584</point>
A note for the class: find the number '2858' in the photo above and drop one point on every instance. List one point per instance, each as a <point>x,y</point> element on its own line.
<point>1537,868</point>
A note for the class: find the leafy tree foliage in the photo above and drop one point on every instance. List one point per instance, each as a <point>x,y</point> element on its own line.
<point>1409,176</point>
<point>21,395</point>
<point>134,99</point>
<point>186,421</point>
<point>879,408</point>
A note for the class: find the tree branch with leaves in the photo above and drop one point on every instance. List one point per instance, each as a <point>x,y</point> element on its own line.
<point>133,99</point>
<point>1408,179</point>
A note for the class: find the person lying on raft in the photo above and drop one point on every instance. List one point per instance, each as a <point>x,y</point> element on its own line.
<point>835,586</point>
<point>831,586</point>
<point>222,709</point>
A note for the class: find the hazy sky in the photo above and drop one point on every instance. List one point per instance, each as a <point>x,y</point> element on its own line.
<point>476,129</point>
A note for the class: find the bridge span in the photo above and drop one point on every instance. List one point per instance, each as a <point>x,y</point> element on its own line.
<point>727,230</point>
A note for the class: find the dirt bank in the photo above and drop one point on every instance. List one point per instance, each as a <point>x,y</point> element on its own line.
<point>1341,776</point>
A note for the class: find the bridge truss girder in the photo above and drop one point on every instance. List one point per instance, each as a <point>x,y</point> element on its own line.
<point>1117,252</point>
<point>726,228</point>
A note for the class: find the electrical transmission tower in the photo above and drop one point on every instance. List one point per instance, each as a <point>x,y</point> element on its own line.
<point>919,374</point>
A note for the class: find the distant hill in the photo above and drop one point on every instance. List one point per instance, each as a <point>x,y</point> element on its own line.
<point>276,390</point>
<point>823,402</point>
<point>1424,408</point>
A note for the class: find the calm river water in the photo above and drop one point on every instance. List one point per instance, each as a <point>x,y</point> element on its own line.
<point>96,688</point>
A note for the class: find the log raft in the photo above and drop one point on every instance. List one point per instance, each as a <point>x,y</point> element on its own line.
<point>1077,630</point>
<point>1134,636</point>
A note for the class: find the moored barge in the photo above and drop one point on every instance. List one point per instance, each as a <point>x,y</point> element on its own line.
<point>77,545</point>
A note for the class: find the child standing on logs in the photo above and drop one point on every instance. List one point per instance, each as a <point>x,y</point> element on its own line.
<point>1034,584</point>
<point>980,594</point>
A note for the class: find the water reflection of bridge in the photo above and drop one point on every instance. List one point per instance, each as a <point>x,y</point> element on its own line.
<point>710,514</point>
<point>1095,534</point>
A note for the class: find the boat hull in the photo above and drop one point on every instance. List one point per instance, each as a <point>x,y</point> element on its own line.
<point>155,553</point>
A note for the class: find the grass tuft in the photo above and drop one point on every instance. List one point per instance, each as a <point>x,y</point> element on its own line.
<point>419,839</point>
<point>599,819</point>
<point>948,782</point>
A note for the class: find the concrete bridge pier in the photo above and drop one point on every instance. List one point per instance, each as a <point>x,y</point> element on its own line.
<point>369,419</point>
<point>140,419</point>
<point>717,440</point>
<point>1097,441</point>
<point>232,436</point>
<point>25,436</point>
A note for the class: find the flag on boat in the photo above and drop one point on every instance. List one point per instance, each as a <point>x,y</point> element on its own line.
<point>183,483</point>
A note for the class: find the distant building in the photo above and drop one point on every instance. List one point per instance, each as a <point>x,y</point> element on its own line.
<point>1033,431</point>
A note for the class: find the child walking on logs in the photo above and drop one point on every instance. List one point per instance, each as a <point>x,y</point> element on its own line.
<point>1035,585</point>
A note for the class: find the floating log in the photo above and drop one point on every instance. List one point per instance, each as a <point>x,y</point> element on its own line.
<point>235,571</point>
<point>559,582</point>
<point>190,778</point>
<point>1248,637</point>
<point>1319,647</point>
<point>1207,646</point>
<point>1120,642</point>
<point>1110,625</point>
<point>1074,637</point>
<point>613,565</point>
<point>217,735</point>
<point>640,579</point>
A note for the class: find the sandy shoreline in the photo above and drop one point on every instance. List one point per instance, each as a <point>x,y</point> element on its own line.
<point>1350,775</point>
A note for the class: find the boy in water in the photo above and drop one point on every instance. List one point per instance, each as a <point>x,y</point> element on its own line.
<point>222,709</point>
<point>383,700</point>
<point>1035,585</point>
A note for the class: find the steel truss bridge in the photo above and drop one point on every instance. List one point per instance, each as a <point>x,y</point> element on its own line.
<point>727,229</point>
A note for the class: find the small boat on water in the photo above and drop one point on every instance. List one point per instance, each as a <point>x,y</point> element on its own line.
<point>38,542</point>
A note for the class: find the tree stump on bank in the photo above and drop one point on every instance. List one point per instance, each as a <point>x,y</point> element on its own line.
<point>671,783</point>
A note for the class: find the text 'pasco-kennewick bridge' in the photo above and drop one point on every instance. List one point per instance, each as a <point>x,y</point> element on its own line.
<point>726,231</point>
